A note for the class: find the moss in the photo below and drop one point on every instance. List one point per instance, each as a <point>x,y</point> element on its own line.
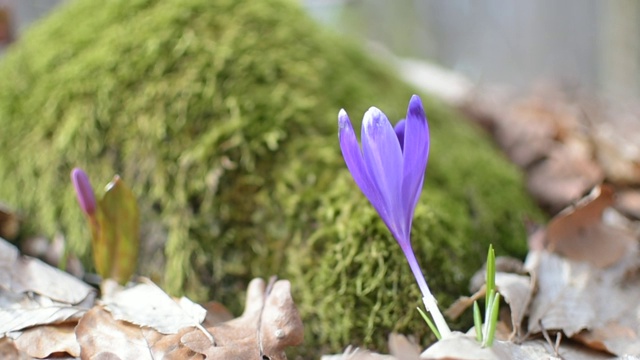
<point>222,116</point>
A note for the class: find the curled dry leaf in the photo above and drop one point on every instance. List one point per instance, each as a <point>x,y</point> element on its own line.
<point>20,311</point>
<point>628,203</point>
<point>216,314</point>
<point>145,304</point>
<point>8,350</point>
<point>576,297</point>
<point>616,143</point>
<point>269,324</point>
<point>563,177</point>
<point>579,232</point>
<point>42,341</point>
<point>516,291</point>
<point>21,274</point>
<point>102,337</point>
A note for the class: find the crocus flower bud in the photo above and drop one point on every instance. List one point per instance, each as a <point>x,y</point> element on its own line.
<point>84,191</point>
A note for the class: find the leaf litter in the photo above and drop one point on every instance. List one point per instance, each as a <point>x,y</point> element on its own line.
<point>47,313</point>
<point>576,297</point>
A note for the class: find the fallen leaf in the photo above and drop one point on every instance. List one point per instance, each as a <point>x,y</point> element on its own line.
<point>216,314</point>
<point>8,256</point>
<point>102,337</point>
<point>463,303</point>
<point>579,232</point>
<point>562,177</point>
<point>22,274</point>
<point>20,311</point>
<point>42,341</point>
<point>464,347</point>
<point>617,147</point>
<point>8,350</point>
<point>402,348</point>
<point>576,296</point>
<point>516,291</point>
<point>269,324</point>
<point>628,203</point>
<point>145,304</point>
<point>169,346</point>
<point>33,275</point>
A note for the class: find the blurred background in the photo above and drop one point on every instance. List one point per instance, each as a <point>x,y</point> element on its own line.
<point>590,44</point>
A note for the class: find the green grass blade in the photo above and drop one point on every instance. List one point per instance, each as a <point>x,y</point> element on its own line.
<point>493,321</point>
<point>491,276</point>
<point>487,314</point>
<point>477,321</point>
<point>432,326</point>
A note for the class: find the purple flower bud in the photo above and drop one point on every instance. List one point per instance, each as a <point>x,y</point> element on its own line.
<point>390,167</point>
<point>84,191</point>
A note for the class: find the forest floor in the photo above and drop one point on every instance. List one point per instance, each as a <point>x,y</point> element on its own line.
<point>574,297</point>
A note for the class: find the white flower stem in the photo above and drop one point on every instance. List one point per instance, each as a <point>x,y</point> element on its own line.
<point>428,299</point>
<point>432,306</point>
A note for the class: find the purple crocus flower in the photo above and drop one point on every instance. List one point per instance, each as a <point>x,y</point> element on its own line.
<point>84,191</point>
<point>390,172</point>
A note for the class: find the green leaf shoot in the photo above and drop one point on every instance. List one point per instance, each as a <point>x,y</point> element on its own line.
<point>432,326</point>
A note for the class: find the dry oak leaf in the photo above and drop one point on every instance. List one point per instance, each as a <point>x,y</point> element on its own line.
<point>145,304</point>
<point>579,232</point>
<point>21,274</point>
<point>269,324</point>
<point>101,337</point>
<point>8,350</point>
<point>575,297</point>
<point>42,341</point>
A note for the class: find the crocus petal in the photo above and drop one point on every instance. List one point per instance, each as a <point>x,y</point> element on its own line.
<point>383,159</point>
<point>353,157</point>
<point>416,153</point>
<point>399,128</point>
<point>84,191</point>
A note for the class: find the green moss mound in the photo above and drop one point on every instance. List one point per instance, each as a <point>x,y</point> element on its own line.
<point>222,116</point>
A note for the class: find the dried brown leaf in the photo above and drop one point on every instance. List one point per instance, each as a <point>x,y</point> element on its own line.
<point>20,311</point>
<point>102,337</point>
<point>563,177</point>
<point>21,274</point>
<point>269,324</point>
<point>617,146</point>
<point>8,350</point>
<point>628,203</point>
<point>575,296</point>
<point>216,314</point>
<point>463,303</point>
<point>464,347</point>
<point>8,256</point>
<point>145,304</point>
<point>402,348</point>
<point>42,341</point>
<point>169,346</point>
<point>33,275</point>
<point>579,232</point>
<point>516,291</point>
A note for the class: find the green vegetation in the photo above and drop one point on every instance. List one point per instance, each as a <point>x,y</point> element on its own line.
<point>222,116</point>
